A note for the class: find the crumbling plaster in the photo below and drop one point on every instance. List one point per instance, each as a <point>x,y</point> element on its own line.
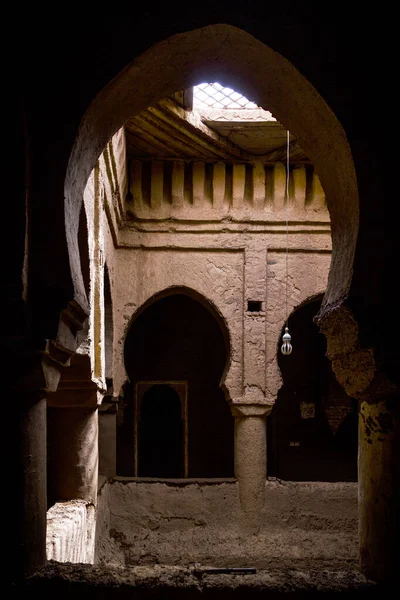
<point>184,523</point>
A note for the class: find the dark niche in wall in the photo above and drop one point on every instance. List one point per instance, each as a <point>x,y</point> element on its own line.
<point>84,249</point>
<point>254,306</point>
<point>177,339</point>
<point>161,447</point>
<point>313,427</point>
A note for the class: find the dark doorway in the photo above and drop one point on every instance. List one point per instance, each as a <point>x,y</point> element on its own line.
<point>313,427</point>
<point>161,441</point>
<point>178,338</point>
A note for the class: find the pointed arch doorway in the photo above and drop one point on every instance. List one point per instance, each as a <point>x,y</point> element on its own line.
<point>313,427</point>
<point>176,340</point>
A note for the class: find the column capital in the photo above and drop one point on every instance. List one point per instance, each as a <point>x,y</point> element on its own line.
<point>35,366</point>
<point>76,388</point>
<point>39,374</point>
<point>109,405</point>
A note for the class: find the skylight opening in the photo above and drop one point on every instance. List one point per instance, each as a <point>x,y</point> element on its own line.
<point>216,96</point>
<point>214,102</point>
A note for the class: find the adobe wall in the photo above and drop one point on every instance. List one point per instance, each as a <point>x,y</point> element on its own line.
<point>181,523</point>
<point>227,273</point>
<point>228,241</point>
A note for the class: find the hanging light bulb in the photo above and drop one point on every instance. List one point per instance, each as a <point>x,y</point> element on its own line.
<point>286,347</point>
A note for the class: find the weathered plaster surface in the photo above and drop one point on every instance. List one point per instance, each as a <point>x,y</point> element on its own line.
<point>216,275</point>
<point>161,581</point>
<point>160,523</point>
<point>227,263</point>
<point>102,534</point>
<point>379,492</point>
<point>251,462</point>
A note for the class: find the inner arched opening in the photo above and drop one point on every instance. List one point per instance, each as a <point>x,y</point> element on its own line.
<point>176,340</point>
<point>161,433</point>
<point>312,430</point>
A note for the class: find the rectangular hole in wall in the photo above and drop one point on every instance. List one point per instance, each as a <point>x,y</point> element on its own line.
<point>254,305</point>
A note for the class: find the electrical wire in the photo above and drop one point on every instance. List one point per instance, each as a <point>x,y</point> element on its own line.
<point>287,226</point>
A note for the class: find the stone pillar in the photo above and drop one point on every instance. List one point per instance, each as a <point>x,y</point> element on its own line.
<point>28,493</point>
<point>73,457</point>
<point>73,434</point>
<point>35,374</point>
<point>251,456</point>
<point>378,442</point>
<point>32,435</point>
<point>379,488</point>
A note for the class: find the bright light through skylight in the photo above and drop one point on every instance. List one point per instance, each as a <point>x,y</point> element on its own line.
<point>214,95</point>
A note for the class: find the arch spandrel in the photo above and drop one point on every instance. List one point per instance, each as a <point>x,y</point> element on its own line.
<point>308,275</point>
<point>229,380</point>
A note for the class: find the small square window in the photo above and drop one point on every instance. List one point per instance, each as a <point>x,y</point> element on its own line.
<point>254,306</point>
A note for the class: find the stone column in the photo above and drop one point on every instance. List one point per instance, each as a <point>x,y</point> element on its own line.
<point>35,373</point>
<point>378,442</point>
<point>251,455</point>
<point>32,435</point>
<point>379,488</point>
<point>73,458</point>
<point>28,493</point>
<point>73,434</point>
